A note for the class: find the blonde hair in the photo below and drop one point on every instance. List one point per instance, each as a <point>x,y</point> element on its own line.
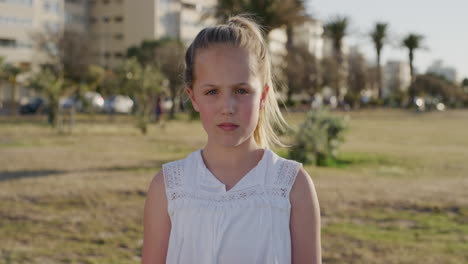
<point>242,31</point>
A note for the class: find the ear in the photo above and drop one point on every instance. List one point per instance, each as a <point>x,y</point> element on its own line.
<point>192,98</point>
<point>263,98</point>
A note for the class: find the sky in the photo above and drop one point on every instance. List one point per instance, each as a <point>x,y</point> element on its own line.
<point>444,24</point>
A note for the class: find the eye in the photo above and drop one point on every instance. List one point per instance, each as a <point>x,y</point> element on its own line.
<point>211,92</point>
<point>241,91</point>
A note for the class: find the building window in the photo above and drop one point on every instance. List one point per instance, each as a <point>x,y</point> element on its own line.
<point>118,36</point>
<point>15,21</point>
<point>19,2</point>
<point>51,25</point>
<point>52,7</point>
<point>189,6</point>
<point>92,20</point>
<point>118,55</point>
<point>118,19</point>
<point>105,19</point>
<point>106,2</point>
<point>8,43</point>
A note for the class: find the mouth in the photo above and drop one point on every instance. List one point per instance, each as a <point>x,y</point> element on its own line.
<point>228,126</point>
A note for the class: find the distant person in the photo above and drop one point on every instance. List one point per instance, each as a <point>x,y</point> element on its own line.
<point>235,200</point>
<point>158,109</point>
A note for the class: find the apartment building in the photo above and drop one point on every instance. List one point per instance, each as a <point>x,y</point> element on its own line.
<point>19,19</point>
<point>111,25</point>
<point>396,77</point>
<point>116,25</point>
<point>438,67</point>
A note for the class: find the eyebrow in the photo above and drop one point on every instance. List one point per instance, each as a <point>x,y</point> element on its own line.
<point>209,85</point>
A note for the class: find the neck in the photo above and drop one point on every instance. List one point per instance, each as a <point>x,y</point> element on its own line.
<point>231,156</point>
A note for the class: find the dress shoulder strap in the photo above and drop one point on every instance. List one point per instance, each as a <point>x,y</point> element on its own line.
<point>173,174</point>
<point>283,172</point>
<point>173,179</point>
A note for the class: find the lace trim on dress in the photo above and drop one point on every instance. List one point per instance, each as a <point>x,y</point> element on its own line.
<point>228,197</point>
<point>173,174</point>
<point>287,173</point>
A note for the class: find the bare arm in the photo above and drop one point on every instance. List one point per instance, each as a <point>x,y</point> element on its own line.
<point>305,221</point>
<point>157,224</point>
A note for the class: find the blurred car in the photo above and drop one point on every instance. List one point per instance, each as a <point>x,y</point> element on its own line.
<point>166,104</point>
<point>36,105</point>
<point>118,104</point>
<point>92,101</point>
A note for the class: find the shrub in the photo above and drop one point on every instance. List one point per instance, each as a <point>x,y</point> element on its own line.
<point>318,138</point>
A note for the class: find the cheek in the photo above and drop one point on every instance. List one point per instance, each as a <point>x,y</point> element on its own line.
<point>250,111</point>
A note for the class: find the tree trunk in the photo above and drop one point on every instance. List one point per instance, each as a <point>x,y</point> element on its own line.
<point>411,57</point>
<point>379,77</point>
<point>14,91</point>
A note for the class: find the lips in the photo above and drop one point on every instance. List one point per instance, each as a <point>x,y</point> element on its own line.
<point>228,126</point>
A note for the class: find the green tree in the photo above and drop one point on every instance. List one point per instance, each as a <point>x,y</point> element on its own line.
<point>3,78</point>
<point>142,82</point>
<point>318,138</point>
<point>379,35</point>
<point>67,51</point>
<point>357,78</point>
<point>10,73</point>
<point>434,86</point>
<point>272,13</point>
<point>465,82</point>
<point>302,71</point>
<point>52,86</point>
<point>412,42</point>
<point>168,56</point>
<point>336,29</point>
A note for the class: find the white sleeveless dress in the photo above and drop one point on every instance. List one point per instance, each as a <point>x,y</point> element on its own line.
<point>247,224</point>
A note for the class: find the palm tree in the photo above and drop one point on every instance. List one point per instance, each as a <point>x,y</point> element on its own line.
<point>412,42</point>
<point>378,35</point>
<point>336,29</point>
<point>53,86</point>
<point>3,78</point>
<point>272,13</point>
<point>10,73</point>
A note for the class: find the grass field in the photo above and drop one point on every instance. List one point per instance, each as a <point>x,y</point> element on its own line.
<point>400,196</point>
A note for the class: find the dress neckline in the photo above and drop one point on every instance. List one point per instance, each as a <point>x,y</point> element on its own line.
<point>211,182</point>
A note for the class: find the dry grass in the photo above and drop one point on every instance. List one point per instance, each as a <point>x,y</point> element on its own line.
<point>78,198</point>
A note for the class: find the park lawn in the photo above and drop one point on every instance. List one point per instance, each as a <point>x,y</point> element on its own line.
<point>397,195</point>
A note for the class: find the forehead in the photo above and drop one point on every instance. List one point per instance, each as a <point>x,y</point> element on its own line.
<point>224,64</point>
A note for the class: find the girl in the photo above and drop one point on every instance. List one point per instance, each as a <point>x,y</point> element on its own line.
<point>235,200</point>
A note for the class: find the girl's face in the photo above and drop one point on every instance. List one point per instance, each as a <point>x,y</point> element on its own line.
<point>227,94</point>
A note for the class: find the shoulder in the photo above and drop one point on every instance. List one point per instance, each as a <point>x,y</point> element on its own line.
<point>157,184</point>
<point>157,223</point>
<point>303,187</point>
<point>305,220</point>
<point>156,196</point>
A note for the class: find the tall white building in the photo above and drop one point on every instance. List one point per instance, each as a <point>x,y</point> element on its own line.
<point>437,67</point>
<point>19,20</point>
<point>111,25</point>
<point>119,24</point>
<point>396,77</point>
<point>310,35</point>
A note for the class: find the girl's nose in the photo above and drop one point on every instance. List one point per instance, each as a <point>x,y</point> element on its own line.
<point>228,105</point>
